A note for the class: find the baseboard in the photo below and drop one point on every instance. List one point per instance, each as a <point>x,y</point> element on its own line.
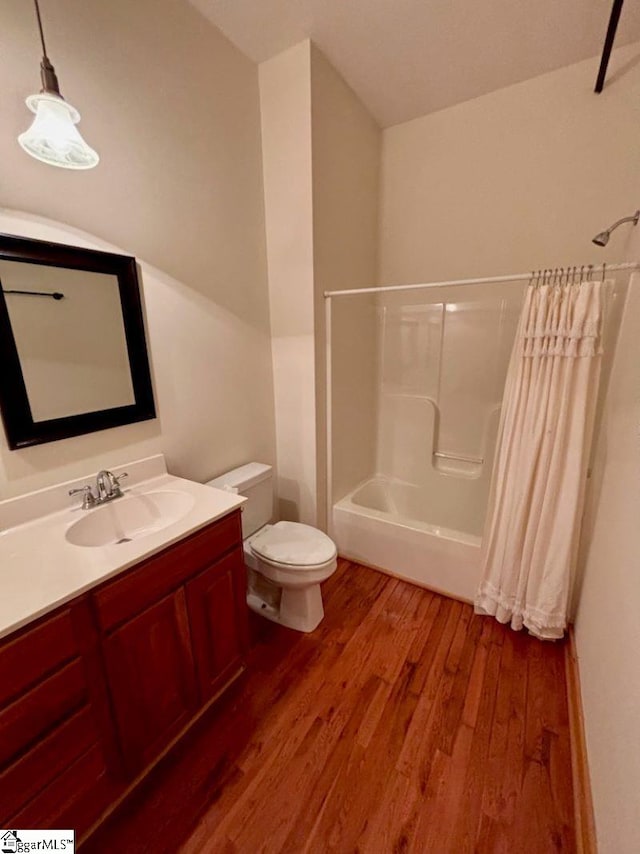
<point>582,801</point>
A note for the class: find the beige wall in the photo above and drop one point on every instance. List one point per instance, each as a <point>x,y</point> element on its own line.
<point>517,179</point>
<point>607,625</point>
<point>173,109</point>
<point>321,159</point>
<point>285,106</point>
<point>346,158</point>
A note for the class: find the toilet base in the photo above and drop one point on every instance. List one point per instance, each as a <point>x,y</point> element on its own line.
<point>300,609</point>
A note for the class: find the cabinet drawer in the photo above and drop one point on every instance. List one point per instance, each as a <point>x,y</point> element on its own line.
<point>124,598</point>
<point>32,654</point>
<point>37,712</point>
<point>46,761</point>
<point>75,799</point>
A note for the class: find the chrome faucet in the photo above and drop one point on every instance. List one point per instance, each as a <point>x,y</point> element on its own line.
<point>107,488</point>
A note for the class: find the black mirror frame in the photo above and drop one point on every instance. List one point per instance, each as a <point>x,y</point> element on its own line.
<point>20,428</point>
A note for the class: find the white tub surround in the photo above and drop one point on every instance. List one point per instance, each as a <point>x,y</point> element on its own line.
<point>379,524</point>
<point>41,570</point>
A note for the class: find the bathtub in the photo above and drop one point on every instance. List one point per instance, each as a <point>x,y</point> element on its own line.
<point>389,524</point>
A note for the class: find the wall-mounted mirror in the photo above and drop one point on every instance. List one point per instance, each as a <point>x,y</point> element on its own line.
<point>73,356</point>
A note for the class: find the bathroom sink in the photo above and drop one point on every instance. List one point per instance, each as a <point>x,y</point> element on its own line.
<point>130,518</point>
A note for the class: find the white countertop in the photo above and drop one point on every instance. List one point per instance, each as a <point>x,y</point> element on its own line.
<point>40,570</point>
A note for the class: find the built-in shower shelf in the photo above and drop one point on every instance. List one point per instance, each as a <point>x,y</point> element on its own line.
<point>458,465</point>
<point>459,458</point>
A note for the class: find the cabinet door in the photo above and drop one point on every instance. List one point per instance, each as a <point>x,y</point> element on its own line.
<point>218,615</point>
<point>152,678</point>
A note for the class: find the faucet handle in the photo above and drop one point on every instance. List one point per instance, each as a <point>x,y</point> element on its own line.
<point>88,498</point>
<point>116,482</point>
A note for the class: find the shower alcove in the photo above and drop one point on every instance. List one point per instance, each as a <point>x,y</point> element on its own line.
<point>416,377</point>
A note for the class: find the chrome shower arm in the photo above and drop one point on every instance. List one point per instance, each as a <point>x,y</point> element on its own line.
<point>634,219</point>
<point>603,238</point>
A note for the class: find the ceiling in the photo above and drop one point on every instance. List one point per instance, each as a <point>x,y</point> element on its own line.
<point>405,58</point>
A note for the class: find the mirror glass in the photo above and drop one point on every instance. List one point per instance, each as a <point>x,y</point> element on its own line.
<point>72,348</point>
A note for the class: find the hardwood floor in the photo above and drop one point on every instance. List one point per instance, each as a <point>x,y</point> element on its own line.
<point>404,723</point>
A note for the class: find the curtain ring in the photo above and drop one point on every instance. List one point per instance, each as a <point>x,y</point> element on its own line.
<point>589,272</point>
<point>604,270</point>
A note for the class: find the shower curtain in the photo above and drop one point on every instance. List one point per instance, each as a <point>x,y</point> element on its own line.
<point>537,492</point>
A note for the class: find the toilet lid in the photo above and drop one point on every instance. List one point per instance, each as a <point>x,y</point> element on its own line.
<point>294,544</point>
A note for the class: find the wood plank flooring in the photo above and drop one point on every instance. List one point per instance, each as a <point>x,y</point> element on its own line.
<point>404,723</point>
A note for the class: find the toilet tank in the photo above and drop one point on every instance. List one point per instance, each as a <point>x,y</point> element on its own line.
<point>255,482</point>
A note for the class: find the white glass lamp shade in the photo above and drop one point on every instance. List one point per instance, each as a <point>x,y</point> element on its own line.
<point>53,136</point>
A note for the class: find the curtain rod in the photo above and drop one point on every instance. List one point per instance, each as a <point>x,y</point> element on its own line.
<point>490,280</point>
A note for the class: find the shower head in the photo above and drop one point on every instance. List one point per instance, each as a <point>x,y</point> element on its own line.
<point>603,238</point>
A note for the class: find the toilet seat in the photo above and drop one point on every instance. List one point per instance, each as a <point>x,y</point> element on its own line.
<point>293,545</point>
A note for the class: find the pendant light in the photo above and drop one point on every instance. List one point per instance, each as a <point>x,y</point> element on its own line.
<point>53,136</point>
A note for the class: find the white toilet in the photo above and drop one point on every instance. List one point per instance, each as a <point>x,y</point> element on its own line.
<point>286,561</point>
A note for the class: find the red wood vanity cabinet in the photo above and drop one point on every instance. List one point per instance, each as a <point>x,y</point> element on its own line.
<point>92,694</point>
